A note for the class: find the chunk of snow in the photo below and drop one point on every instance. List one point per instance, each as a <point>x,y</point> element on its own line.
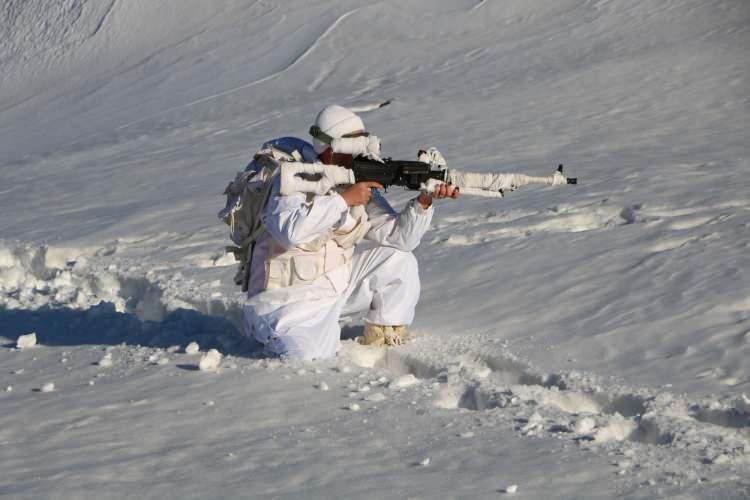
<point>365,356</point>
<point>585,425</point>
<point>536,418</point>
<point>425,462</point>
<point>48,387</point>
<point>511,489</point>
<point>26,341</point>
<point>192,348</point>
<point>9,388</point>
<point>106,361</point>
<point>535,422</point>
<point>617,428</point>
<point>353,407</point>
<point>449,397</point>
<point>743,403</point>
<point>375,397</point>
<point>404,381</point>
<point>722,458</point>
<point>323,386</point>
<point>210,361</point>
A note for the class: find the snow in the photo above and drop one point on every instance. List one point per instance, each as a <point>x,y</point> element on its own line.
<point>210,361</point>
<point>584,425</point>
<point>404,381</point>
<point>581,341</point>
<point>375,397</point>
<point>26,341</point>
<point>106,361</point>
<point>192,348</point>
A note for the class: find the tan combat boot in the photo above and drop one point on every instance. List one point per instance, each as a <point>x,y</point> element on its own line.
<point>380,335</point>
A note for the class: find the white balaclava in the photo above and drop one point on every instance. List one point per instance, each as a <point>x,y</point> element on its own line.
<point>336,121</point>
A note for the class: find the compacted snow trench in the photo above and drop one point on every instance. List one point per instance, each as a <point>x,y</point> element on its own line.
<point>604,413</point>
<point>586,341</point>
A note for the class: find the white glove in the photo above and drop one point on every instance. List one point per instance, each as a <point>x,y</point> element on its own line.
<point>368,146</point>
<point>558,179</point>
<point>434,158</point>
<point>429,186</point>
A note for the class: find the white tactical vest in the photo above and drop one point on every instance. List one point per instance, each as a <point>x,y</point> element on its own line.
<point>306,263</point>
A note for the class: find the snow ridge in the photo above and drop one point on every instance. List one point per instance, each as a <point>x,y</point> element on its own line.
<point>301,57</point>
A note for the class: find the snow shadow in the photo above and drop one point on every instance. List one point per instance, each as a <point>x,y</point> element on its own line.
<point>650,431</point>
<point>729,417</point>
<point>103,325</point>
<point>351,332</point>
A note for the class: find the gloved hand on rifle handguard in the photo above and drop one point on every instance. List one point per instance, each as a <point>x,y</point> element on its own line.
<point>434,188</point>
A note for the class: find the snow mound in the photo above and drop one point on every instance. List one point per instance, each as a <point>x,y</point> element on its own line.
<point>26,341</point>
<point>32,277</point>
<point>210,361</point>
<point>70,295</point>
<point>192,348</point>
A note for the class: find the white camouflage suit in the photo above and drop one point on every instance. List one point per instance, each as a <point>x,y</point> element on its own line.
<point>305,275</point>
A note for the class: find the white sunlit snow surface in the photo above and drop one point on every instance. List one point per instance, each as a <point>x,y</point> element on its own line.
<point>589,341</point>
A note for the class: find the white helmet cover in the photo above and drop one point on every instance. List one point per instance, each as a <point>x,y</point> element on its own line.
<point>336,121</point>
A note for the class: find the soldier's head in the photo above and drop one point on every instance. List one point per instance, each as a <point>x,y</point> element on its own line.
<point>334,122</point>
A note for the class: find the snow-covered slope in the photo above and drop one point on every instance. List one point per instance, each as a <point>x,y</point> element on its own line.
<point>559,330</point>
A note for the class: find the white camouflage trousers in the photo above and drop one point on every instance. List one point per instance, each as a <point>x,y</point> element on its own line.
<point>302,322</point>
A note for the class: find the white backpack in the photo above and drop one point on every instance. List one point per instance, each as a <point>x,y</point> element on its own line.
<point>247,196</point>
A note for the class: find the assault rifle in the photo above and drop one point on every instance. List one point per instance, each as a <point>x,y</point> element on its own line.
<point>414,175</point>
